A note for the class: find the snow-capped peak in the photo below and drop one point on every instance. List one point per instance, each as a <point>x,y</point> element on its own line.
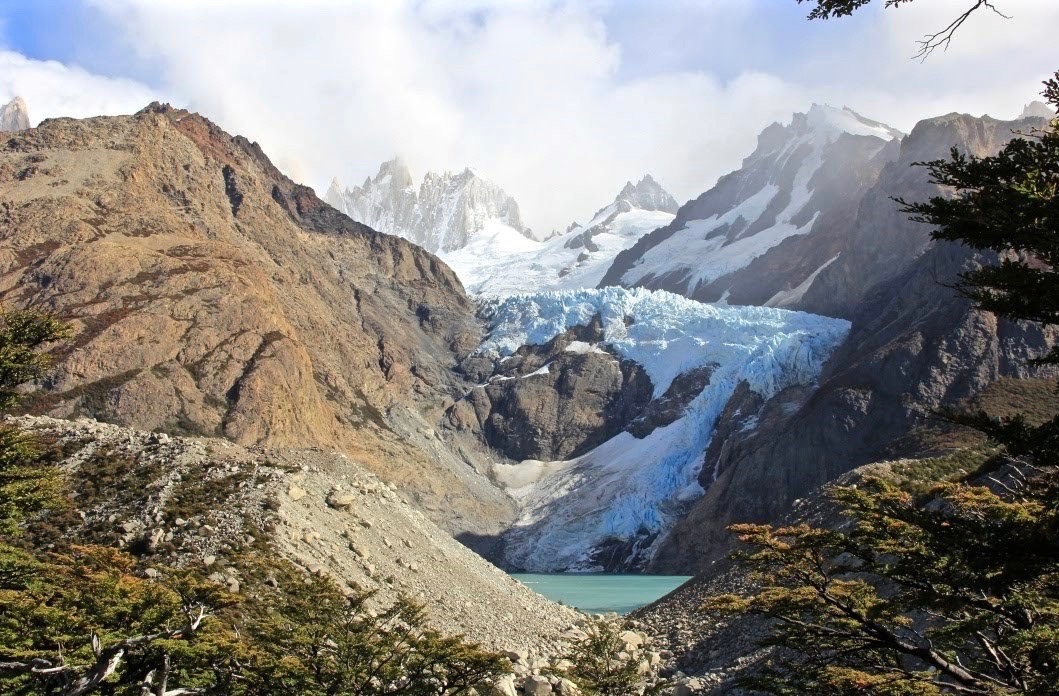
<point>14,115</point>
<point>833,121</point>
<point>445,214</point>
<point>576,258</point>
<point>776,195</point>
<point>647,194</point>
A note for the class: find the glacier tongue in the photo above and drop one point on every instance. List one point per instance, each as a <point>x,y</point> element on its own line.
<point>628,487</point>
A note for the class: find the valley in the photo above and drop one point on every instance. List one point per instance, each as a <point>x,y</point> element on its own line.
<point>390,440</point>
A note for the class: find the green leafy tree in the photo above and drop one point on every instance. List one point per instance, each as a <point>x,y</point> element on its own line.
<point>26,486</point>
<point>955,591</point>
<point>309,637</point>
<point>80,622</point>
<point>599,664</point>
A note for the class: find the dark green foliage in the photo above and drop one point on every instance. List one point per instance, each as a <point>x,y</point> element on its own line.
<point>22,336</point>
<point>826,9</point>
<point>308,637</point>
<point>80,622</point>
<point>25,486</point>
<point>599,667</point>
<point>957,590</point>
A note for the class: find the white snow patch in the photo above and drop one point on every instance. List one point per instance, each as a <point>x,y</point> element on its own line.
<point>785,298</point>
<point>504,261</point>
<point>581,347</point>
<point>543,370</point>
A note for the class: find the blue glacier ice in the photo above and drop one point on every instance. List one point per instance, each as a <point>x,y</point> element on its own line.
<point>628,486</point>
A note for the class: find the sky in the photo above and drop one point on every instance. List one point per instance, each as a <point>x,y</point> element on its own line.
<point>557,102</point>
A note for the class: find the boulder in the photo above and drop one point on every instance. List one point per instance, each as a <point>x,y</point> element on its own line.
<point>505,685</point>
<point>341,500</point>
<point>537,686</point>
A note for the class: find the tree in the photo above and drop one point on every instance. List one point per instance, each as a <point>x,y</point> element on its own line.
<point>25,485</point>
<point>309,637</point>
<point>826,9</point>
<point>76,622</point>
<point>957,590</point>
<point>600,665</point>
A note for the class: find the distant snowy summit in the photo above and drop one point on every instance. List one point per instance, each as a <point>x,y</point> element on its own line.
<point>1037,109</point>
<point>14,116</point>
<point>576,258</point>
<point>760,235</point>
<point>446,212</point>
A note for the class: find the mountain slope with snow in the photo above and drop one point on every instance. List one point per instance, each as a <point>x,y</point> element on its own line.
<point>765,229</point>
<point>447,212</point>
<point>498,265</point>
<point>631,489</point>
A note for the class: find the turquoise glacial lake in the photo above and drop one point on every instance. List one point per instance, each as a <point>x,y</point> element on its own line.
<point>598,593</point>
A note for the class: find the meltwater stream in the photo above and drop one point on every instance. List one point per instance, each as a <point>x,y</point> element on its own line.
<point>600,593</point>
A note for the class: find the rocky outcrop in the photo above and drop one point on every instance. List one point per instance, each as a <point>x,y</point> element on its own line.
<point>446,212</point>
<point>14,116</point>
<point>1038,109</point>
<point>915,345</point>
<point>210,295</point>
<point>549,402</point>
<point>881,243</point>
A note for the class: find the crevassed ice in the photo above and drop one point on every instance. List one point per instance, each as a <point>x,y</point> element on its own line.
<point>627,486</point>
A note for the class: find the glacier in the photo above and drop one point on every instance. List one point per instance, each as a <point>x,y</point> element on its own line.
<point>630,488</point>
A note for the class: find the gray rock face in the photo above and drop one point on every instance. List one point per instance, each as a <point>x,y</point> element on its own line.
<point>446,212</point>
<point>762,232</point>
<point>1038,109</point>
<point>915,346</point>
<point>882,242</point>
<point>211,295</point>
<point>14,116</point>
<point>547,403</point>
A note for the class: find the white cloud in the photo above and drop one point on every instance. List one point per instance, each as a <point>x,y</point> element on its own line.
<point>537,94</point>
<point>52,89</point>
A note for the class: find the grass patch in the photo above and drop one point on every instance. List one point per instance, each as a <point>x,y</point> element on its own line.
<point>1036,399</point>
<point>918,476</point>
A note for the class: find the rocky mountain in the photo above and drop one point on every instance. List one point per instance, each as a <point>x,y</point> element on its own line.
<point>914,346</point>
<point>212,296</point>
<point>447,212</point>
<point>881,243</point>
<point>576,258</point>
<point>14,116</point>
<point>764,232</point>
